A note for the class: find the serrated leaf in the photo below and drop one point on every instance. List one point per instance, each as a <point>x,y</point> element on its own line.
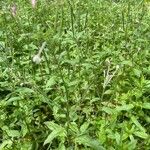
<point>51,82</point>
<point>73,126</point>
<point>57,131</point>
<point>142,135</point>
<point>87,141</point>
<point>137,72</point>
<point>108,110</point>
<point>136,122</point>
<point>13,99</point>
<point>52,135</point>
<point>127,62</point>
<point>24,90</point>
<point>52,126</point>
<point>24,130</point>
<point>61,146</point>
<point>33,46</point>
<point>125,107</point>
<point>84,127</point>
<point>73,83</point>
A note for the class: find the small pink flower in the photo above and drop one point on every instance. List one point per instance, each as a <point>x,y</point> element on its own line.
<point>14,10</point>
<point>33,3</point>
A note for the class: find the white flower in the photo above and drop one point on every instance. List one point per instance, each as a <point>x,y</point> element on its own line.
<point>37,59</point>
<point>117,67</point>
<point>14,10</point>
<point>33,3</point>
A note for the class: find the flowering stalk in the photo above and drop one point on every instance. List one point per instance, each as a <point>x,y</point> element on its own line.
<point>33,3</point>
<point>41,49</point>
<point>14,10</point>
<point>37,57</point>
<point>109,77</point>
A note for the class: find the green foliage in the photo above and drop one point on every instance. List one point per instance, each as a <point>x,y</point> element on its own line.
<point>91,87</point>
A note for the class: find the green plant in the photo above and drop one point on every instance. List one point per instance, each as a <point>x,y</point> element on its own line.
<point>74,75</point>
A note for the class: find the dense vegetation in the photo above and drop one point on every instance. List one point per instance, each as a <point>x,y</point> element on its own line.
<point>89,86</point>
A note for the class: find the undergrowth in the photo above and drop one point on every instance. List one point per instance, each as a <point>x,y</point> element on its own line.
<point>89,88</point>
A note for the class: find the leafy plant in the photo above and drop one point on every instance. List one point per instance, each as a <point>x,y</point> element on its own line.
<point>74,75</point>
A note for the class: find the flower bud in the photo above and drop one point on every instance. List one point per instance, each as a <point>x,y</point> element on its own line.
<point>33,3</point>
<point>36,59</point>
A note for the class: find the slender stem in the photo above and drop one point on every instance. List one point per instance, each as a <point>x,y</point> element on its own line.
<point>72,17</point>
<point>66,96</point>
<point>42,47</point>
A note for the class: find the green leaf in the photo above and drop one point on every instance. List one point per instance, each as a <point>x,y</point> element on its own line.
<point>117,136</point>
<point>24,90</point>
<point>108,110</point>
<point>147,118</point>
<point>53,135</point>
<point>5,143</point>
<point>102,136</point>
<point>51,125</point>
<point>13,133</point>
<point>24,129</point>
<point>127,62</point>
<point>27,146</point>
<point>137,72</point>
<point>1,60</point>
<point>73,83</point>
<point>87,141</point>
<point>132,144</point>
<point>108,92</point>
<point>146,105</point>
<point>61,146</point>
<point>57,131</point>
<point>142,135</point>
<point>125,107</point>
<point>84,127</point>
<point>135,121</point>
<point>51,82</point>
<point>13,99</point>
<point>73,126</point>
